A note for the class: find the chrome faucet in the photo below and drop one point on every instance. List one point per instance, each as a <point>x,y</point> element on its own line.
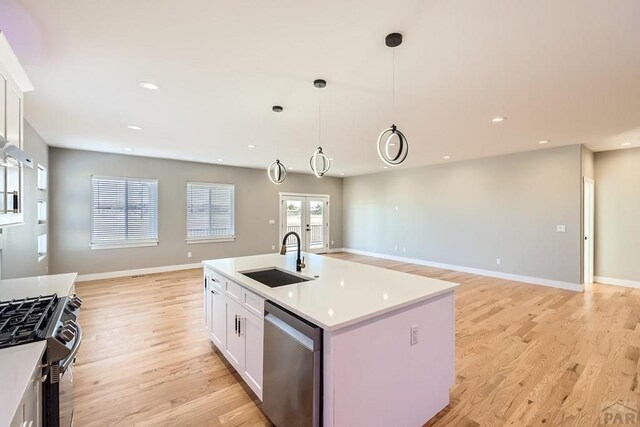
<point>299,262</point>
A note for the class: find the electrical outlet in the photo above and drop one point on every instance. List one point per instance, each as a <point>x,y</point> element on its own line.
<point>499,261</point>
<point>397,208</point>
<point>272,221</point>
<point>188,254</point>
<point>332,243</point>
<point>396,249</point>
<point>273,247</point>
<point>404,249</point>
<point>561,228</point>
<point>414,335</point>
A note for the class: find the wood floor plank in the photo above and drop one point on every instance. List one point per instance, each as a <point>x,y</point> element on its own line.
<point>525,355</point>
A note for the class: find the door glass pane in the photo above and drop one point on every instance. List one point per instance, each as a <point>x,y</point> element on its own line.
<point>316,228</point>
<point>294,221</point>
<point>13,186</point>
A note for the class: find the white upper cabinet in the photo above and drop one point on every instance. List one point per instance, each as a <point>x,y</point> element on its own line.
<point>13,84</point>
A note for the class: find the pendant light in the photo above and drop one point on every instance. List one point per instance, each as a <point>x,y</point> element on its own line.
<point>276,171</point>
<point>392,145</point>
<point>320,162</point>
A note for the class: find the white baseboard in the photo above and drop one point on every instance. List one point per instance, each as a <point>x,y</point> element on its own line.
<point>498,274</point>
<point>618,282</point>
<point>336,250</point>
<point>136,272</point>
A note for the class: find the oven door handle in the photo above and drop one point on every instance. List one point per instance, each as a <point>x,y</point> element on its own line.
<point>74,350</point>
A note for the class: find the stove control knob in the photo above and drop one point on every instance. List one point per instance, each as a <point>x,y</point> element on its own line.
<point>66,335</point>
<point>75,302</point>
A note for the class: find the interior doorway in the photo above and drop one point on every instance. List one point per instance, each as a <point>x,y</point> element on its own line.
<point>307,215</point>
<point>588,249</point>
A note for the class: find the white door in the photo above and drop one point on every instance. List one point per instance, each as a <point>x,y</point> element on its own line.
<point>218,321</point>
<point>252,330</point>
<point>589,197</point>
<point>235,349</point>
<point>309,217</point>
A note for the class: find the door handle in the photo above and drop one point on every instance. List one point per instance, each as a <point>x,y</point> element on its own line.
<point>236,330</point>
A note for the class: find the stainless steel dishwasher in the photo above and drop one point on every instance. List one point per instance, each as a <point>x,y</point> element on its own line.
<point>292,383</point>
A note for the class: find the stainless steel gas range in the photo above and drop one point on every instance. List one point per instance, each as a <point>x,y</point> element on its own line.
<point>54,319</point>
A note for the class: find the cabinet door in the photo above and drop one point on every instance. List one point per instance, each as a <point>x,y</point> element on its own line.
<point>218,320</point>
<point>252,329</point>
<point>235,351</point>
<point>14,117</point>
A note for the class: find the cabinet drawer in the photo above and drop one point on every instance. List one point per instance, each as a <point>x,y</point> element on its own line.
<point>217,280</point>
<point>234,290</point>
<point>253,303</point>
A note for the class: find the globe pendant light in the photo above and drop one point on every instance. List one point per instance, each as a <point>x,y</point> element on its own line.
<point>276,171</point>
<point>392,145</point>
<point>320,163</point>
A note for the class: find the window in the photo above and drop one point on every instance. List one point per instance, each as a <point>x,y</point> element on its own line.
<point>42,211</point>
<point>124,212</point>
<point>42,246</point>
<point>42,178</point>
<point>210,212</point>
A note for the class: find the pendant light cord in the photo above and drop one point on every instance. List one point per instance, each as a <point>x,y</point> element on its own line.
<point>277,135</point>
<point>319,119</point>
<point>393,84</point>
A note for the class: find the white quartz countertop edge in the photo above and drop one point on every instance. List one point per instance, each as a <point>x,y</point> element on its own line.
<point>269,293</point>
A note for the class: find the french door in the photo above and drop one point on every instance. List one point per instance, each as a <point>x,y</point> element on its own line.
<point>307,215</point>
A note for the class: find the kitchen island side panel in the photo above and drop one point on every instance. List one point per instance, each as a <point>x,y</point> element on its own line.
<point>374,376</point>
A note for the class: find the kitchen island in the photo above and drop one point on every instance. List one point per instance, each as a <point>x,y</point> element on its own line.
<point>388,337</point>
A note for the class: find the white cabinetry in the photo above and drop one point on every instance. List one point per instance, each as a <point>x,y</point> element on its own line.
<point>13,83</point>
<point>234,321</point>
<point>29,413</point>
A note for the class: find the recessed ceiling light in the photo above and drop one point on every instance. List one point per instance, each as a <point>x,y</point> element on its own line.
<point>544,141</point>
<point>625,144</point>
<point>446,157</point>
<point>134,127</point>
<point>149,85</point>
<point>385,167</point>
<point>220,160</point>
<point>251,146</point>
<point>128,149</point>
<point>498,119</point>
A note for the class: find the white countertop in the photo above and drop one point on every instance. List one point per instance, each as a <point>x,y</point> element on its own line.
<point>345,292</point>
<point>18,364</point>
<point>61,284</point>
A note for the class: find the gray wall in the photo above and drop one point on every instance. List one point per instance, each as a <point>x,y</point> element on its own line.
<point>20,243</point>
<point>256,203</point>
<point>617,216</point>
<point>470,213</point>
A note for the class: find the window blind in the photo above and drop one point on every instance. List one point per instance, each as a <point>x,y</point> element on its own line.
<point>210,211</point>
<point>123,211</point>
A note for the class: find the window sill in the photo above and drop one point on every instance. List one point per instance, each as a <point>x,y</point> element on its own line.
<point>199,241</point>
<point>123,245</point>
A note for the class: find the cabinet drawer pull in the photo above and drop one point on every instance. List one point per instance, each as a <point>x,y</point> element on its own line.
<point>236,330</point>
<point>214,292</point>
<point>215,280</point>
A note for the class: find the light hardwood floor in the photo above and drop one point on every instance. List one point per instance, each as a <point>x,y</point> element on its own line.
<point>525,354</point>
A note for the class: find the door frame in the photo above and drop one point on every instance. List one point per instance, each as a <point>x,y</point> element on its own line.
<point>588,229</point>
<point>327,236</point>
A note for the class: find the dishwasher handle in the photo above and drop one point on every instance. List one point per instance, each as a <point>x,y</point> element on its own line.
<point>293,325</point>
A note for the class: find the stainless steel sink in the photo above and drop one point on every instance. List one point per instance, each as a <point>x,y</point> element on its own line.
<point>274,277</point>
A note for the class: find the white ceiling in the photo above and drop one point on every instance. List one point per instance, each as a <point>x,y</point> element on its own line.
<point>565,71</point>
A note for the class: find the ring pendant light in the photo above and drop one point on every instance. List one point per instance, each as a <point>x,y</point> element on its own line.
<point>392,145</point>
<point>320,163</point>
<point>276,171</point>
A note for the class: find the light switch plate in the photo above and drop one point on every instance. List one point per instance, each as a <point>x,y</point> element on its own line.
<point>561,228</point>
<point>414,335</point>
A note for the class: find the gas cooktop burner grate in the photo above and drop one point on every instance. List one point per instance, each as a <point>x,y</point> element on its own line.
<point>25,320</point>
